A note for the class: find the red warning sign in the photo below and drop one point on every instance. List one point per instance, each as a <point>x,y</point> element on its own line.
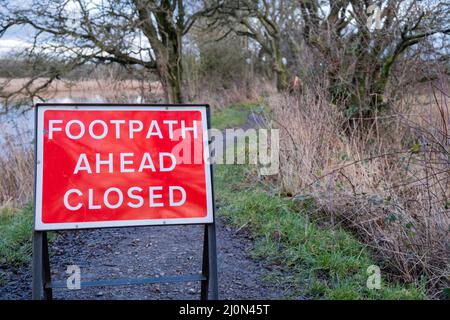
<point>108,166</point>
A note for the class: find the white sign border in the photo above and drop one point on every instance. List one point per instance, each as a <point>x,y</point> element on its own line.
<point>39,132</point>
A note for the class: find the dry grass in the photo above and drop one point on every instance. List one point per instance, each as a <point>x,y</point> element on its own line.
<point>16,169</point>
<point>390,183</point>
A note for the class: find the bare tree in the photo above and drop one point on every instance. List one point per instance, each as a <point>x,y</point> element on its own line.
<point>146,33</point>
<point>360,57</point>
<point>357,56</point>
<point>262,21</point>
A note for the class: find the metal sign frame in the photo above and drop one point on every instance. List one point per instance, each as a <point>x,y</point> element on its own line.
<point>42,284</point>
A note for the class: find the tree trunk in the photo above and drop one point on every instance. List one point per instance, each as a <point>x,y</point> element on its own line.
<point>280,70</point>
<point>170,71</point>
<point>282,79</point>
<point>166,43</point>
<point>170,75</point>
<point>175,90</point>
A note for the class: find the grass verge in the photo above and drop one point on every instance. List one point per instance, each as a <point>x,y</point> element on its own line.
<point>16,231</point>
<point>320,261</point>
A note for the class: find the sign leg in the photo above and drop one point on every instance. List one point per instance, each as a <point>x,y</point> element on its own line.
<point>48,292</point>
<point>212,255</point>
<point>38,271</point>
<point>205,266</point>
<point>41,267</point>
<point>209,289</point>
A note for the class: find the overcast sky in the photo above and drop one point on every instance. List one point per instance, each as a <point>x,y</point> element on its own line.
<point>17,37</point>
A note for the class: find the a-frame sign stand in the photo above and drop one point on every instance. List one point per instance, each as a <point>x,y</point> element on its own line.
<point>42,284</point>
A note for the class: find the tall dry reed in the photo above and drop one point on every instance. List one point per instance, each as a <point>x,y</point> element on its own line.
<point>16,167</point>
<point>390,183</point>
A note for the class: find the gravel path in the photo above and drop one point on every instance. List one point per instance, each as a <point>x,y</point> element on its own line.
<point>148,252</point>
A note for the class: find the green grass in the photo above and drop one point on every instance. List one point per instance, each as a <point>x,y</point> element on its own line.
<point>233,116</point>
<point>317,261</point>
<point>15,236</point>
